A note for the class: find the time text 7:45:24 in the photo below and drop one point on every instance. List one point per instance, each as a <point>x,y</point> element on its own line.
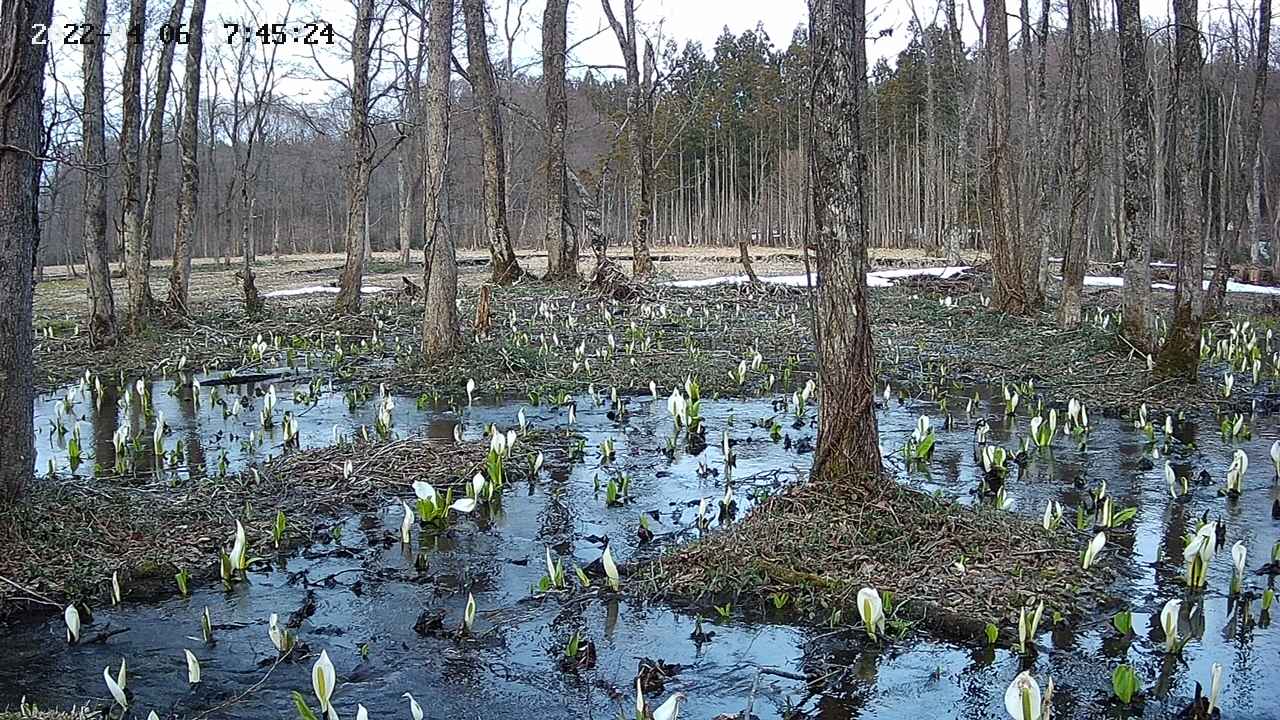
<point>310,33</point>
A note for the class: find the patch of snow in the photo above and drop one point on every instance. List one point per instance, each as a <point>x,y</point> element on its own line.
<point>1232,285</point>
<point>878,278</point>
<point>320,290</point>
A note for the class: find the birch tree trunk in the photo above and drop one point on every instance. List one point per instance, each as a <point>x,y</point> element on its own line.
<point>1007,257</point>
<point>103,330</point>
<point>1240,215</point>
<point>562,244</point>
<point>188,143</point>
<point>136,261</point>
<point>21,141</point>
<point>1180,355</point>
<point>848,441</point>
<point>506,269</point>
<point>440,331</point>
<point>1076,253</point>
<point>360,159</point>
<point>1135,111</point>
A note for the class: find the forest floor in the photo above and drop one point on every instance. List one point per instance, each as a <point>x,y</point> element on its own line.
<point>805,539</point>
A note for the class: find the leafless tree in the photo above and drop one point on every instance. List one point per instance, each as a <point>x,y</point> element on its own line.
<point>562,244</point>
<point>1007,256</point>
<point>440,331</point>
<point>1180,355</point>
<point>1081,151</point>
<point>1135,110</point>
<point>21,148</point>
<point>189,188</point>
<point>103,330</point>
<point>359,140</point>
<point>155,134</point>
<point>136,263</point>
<point>639,121</point>
<point>506,269</point>
<point>848,441</point>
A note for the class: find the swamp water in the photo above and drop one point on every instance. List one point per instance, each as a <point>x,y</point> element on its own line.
<point>368,594</point>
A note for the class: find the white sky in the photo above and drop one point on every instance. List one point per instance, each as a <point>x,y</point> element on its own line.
<point>679,20</point>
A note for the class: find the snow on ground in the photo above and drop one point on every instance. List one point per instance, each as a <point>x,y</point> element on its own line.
<point>320,290</point>
<point>879,278</point>
<point>1232,285</point>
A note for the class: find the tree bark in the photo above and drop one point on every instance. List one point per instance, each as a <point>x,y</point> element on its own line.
<point>1180,355</point>
<point>103,330</point>
<point>1240,215</point>
<point>1007,256</point>
<point>136,261</point>
<point>360,158</point>
<point>440,328</point>
<point>21,139</point>
<point>639,131</point>
<point>155,138</point>
<point>848,441</point>
<point>562,244</point>
<point>189,187</point>
<point>1076,253</point>
<point>1135,111</point>
<point>404,200</point>
<point>506,269</point>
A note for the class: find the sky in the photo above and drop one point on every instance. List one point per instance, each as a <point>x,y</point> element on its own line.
<point>661,20</point>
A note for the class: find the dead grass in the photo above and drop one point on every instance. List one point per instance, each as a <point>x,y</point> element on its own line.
<point>68,535</point>
<point>819,545</point>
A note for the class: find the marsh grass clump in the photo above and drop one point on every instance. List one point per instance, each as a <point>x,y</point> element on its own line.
<point>821,545</point>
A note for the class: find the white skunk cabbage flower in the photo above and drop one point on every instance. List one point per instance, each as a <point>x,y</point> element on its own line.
<point>653,389</point>
<point>1275,456</point>
<point>1022,699</point>
<point>424,491</point>
<point>361,712</point>
<point>537,463</point>
<point>639,699</point>
<point>414,708</point>
<point>193,668</point>
<point>471,389</point>
<point>323,680</point>
<point>1091,552</point>
<point>520,419</point>
<point>406,525</point>
<point>610,569</point>
<point>277,636</point>
<point>72,617</point>
<point>477,485</point>
<point>670,710</point>
<point>238,546</point>
<point>1235,473</point>
<point>1169,623</point>
<point>463,505</point>
<point>1215,686</point>
<point>114,687</point>
<point>871,610</point>
<point>469,614</point>
<point>1239,551</point>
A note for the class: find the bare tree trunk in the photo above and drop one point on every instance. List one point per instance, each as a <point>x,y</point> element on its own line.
<point>188,142</point>
<point>103,330</point>
<point>506,269</point>
<point>1180,355</point>
<point>358,143</point>
<point>404,200</point>
<point>21,142</point>
<point>639,131</point>
<point>562,244</point>
<point>155,138</point>
<point>136,261</point>
<point>440,330</point>
<point>1239,205</point>
<point>1076,254</point>
<point>1007,257</point>
<point>848,441</point>
<point>1135,110</point>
